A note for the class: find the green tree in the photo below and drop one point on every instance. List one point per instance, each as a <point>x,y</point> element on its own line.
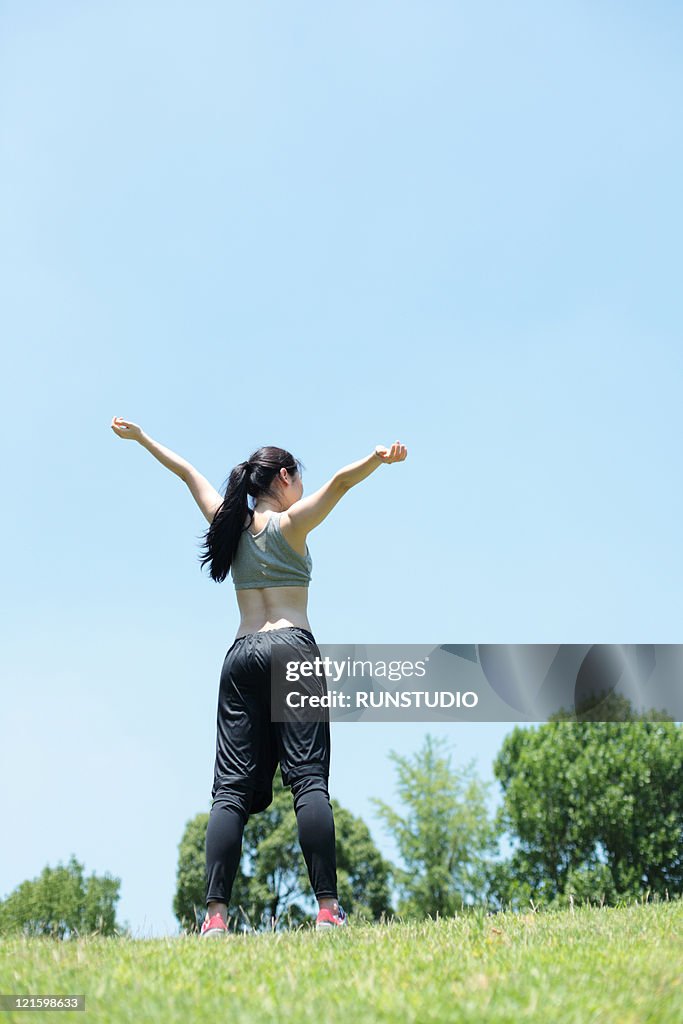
<point>443,837</point>
<point>272,883</point>
<point>595,808</point>
<point>62,903</point>
<point>363,875</point>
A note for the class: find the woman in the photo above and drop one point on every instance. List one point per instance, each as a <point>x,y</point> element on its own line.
<point>263,546</point>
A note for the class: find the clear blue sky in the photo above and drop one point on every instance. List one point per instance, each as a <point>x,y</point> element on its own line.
<point>323,227</point>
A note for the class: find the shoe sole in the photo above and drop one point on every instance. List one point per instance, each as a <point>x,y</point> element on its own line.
<point>213,933</point>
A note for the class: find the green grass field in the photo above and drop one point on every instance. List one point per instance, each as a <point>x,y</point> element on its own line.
<point>595,964</point>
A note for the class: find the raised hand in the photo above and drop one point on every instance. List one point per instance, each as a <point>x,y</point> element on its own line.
<point>397,452</point>
<point>122,428</point>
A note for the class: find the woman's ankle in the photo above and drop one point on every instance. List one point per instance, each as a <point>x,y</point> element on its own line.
<point>217,908</point>
<point>329,904</point>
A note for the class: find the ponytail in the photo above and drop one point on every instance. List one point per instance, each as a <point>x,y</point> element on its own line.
<point>251,478</point>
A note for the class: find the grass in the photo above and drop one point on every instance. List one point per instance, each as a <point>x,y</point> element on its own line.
<point>588,965</point>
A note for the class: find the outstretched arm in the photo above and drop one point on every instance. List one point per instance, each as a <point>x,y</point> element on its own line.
<point>307,513</point>
<point>206,496</point>
<point>352,474</point>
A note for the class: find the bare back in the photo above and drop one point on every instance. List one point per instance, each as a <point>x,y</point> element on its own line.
<point>273,607</point>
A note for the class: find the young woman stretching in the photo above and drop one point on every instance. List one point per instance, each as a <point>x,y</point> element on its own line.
<point>263,545</point>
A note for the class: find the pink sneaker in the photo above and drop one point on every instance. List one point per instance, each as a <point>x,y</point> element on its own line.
<point>326,919</point>
<point>213,927</point>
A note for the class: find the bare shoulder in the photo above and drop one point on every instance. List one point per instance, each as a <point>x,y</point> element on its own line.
<point>310,511</point>
<point>293,534</point>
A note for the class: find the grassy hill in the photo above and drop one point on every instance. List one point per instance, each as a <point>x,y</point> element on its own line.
<point>590,965</point>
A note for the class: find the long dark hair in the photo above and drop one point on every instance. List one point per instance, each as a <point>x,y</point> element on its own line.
<point>249,479</point>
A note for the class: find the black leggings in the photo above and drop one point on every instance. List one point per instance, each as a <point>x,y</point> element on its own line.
<point>249,746</point>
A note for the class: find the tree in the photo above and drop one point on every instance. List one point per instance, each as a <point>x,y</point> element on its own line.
<point>62,903</point>
<point>363,875</point>
<point>275,883</point>
<point>443,836</point>
<point>596,808</point>
<point>272,883</point>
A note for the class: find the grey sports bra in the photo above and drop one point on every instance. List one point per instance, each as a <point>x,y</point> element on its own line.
<point>266,559</point>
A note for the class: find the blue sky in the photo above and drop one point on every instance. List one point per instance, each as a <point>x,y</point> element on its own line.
<point>323,227</point>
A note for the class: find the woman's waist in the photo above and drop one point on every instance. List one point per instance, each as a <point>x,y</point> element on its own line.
<point>272,609</point>
<point>262,626</point>
<point>281,626</point>
<point>271,603</point>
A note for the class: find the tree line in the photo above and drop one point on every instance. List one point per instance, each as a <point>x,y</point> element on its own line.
<point>590,811</point>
